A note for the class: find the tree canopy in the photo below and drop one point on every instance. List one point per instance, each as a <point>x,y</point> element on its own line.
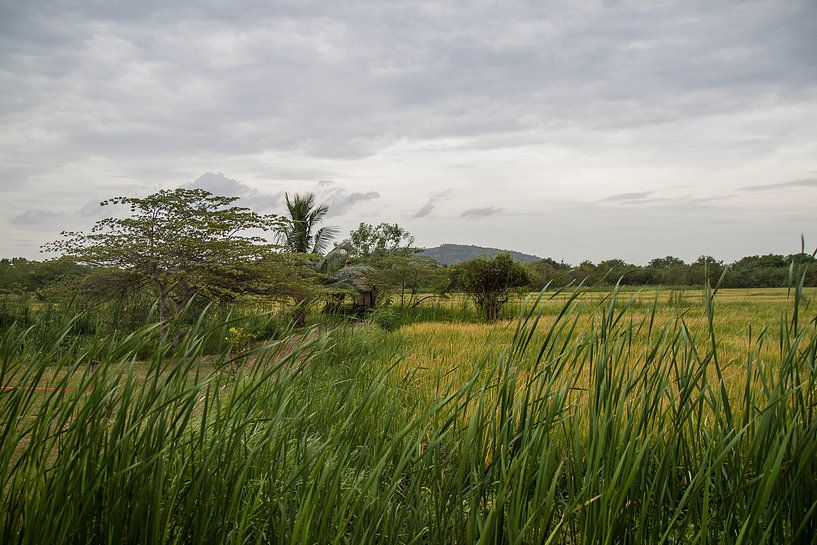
<point>179,243</point>
<point>489,281</point>
<point>381,240</point>
<point>301,234</point>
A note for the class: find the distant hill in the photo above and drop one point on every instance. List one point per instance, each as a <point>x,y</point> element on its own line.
<point>447,254</point>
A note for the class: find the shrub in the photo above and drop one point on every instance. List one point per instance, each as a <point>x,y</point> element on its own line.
<point>386,318</point>
<point>489,281</point>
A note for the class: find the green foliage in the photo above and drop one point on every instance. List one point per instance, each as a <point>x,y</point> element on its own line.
<point>23,275</point>
<point>177,244</point>
<point>550,272</point>
<point>386,318</point>
<point>301,234</point>
<point>570,436</point>
<point>767,271</point>
<point>411,279</point>
<point>489,281</point>
<point>385,239</point>
<point>238,338</point>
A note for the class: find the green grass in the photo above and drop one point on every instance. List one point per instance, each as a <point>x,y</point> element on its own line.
<point>602,417</point>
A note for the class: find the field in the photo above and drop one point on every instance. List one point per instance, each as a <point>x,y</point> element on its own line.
<point>654,416</point>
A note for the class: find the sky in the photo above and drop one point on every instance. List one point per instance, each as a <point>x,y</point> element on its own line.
<point>575,130</point>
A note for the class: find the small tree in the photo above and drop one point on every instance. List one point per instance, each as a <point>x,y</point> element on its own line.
<point>381,240</point>
<point>411,278</point>
<point>389,252</point>
<point>179,244</point>
<point>301,234</point>
<point>489,281</point>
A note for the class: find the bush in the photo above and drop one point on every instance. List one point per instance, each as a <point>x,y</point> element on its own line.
<point>489,281</point>
<point>269,326</point>
<point>386,318</point>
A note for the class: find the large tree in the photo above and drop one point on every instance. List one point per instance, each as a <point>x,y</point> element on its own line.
<point>301,233</point>
<point>179,244</point>
<point>489,281</point>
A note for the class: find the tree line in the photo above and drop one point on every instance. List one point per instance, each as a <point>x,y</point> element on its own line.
<point>187,246</point>
<point>758,271</point>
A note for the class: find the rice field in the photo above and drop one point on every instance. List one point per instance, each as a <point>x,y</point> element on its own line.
<point>584,417</point>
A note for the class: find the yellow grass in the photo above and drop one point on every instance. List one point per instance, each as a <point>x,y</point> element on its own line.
<point>440,356</point>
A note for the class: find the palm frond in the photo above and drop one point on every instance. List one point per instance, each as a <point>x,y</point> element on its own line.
<point>322,238</point>
<point>304,216</point>
<point>334,259</point>
<point>353,271</point>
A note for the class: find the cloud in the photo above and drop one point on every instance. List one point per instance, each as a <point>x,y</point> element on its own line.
<point>135,80</point>
<point>429,206</point>
<point>475,213</point>
<point>104,98</point>
<point>628,197</point>
<point>36,219</point>
<point>805,182</point>
<point>344,202</point>
<point>339,199</point>
<point>219,184</point>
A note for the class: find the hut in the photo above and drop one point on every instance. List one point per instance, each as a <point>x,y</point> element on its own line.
<point>353,279</point>
<point>366,293</point>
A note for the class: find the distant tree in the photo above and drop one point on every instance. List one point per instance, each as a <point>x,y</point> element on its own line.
<point>301,233</point>
<point>586,272</point>
<point>381,240</point>
<point>800,258</point>
<point>489,281</point>
<point>179,244</point>
<point>23,275</point>
<point>668,270</point>
<point>549,271</point>
<point>411,278</point>
<point>393,264</point>
<point>762,271</point>
<point>705,268</point>
<point>806,265</point>
<point>611,271</point>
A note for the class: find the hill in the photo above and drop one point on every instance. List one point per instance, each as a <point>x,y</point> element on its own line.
<point>447,254</point>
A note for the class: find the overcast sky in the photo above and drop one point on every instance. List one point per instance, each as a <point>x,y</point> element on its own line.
<point>577,130</point>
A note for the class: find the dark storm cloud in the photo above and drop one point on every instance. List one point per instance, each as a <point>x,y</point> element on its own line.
<point>475,213</point>
<point>806,182</point>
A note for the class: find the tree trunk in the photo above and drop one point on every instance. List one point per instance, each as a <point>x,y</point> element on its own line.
<point>162,312</point>
<point>299,312</point>
<point>492,311</point>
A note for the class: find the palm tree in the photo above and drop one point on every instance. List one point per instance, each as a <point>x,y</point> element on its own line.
<point>300,234</point>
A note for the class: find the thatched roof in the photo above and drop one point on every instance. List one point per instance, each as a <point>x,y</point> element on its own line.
<point>362,284</point>
<point>354,276</point>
